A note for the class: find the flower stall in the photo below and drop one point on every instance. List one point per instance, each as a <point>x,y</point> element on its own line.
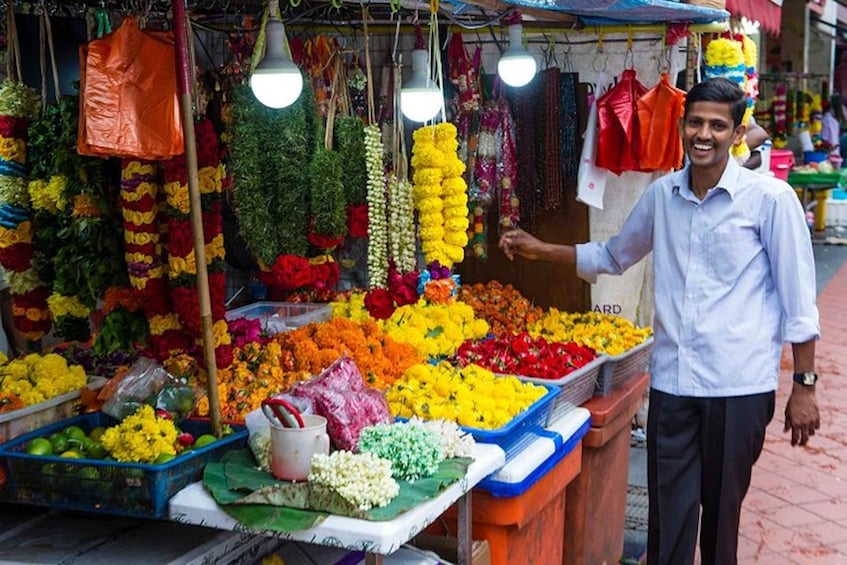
<point>381,337</point>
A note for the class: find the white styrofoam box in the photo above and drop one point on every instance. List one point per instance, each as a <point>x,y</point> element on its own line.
<point>836,212</point>
<point>277,317</point>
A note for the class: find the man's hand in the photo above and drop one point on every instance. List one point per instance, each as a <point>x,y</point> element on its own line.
<point>801,414</point>
<point>518,242</point>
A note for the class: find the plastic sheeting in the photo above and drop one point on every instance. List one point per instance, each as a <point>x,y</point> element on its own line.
<point>600,12</point>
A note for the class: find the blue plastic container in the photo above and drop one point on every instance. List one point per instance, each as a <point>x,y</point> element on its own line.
<point>523,429</point>
<point>108,487</point>
<point>814,156</point>
<point>563,447</point>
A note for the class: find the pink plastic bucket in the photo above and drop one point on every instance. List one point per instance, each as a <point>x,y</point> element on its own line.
<point>782,161</point>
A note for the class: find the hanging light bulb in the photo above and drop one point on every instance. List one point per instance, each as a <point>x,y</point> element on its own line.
<point>420,98</point>
<point>276,81</point>
<point>516,66</point>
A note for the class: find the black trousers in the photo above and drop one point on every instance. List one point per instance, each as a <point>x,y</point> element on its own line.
<point>700,455</point>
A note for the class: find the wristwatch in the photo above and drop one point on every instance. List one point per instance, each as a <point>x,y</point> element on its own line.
<point>808,378</point>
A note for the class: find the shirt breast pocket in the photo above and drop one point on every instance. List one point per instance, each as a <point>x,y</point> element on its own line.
<point>730,253</point>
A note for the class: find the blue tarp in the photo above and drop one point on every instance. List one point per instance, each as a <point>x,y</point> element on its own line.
<point>605,12</point>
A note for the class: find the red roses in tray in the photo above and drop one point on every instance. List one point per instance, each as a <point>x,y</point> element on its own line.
<point>526,356</point>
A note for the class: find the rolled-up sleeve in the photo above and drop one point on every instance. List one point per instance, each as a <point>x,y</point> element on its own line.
<point>789,248</point>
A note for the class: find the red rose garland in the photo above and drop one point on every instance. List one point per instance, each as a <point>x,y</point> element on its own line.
<point>182,265</point>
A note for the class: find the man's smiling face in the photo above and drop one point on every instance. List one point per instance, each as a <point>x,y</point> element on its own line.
<point>708,134</point>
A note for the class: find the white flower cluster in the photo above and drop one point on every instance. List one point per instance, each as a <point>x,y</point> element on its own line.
<point>377,227</point>
<point>414,451</point>
<point>401,232</point>
<point>362,479</point>
<point>455,442</point>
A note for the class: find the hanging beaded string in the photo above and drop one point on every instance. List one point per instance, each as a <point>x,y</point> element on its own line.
<point>552,170</point>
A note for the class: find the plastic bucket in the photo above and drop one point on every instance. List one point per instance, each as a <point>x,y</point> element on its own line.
<point>782,161</point>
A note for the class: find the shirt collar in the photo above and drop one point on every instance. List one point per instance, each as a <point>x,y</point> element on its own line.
<point>728,181</point>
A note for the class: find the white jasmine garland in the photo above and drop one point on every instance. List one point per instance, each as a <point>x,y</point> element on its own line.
<point>377,225</point>
<point>401,230</point>
<point>454,441</point>
<point>362,479</point>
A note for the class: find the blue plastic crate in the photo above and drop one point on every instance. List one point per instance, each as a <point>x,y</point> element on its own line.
<point>523,428</point>
<point>108,487</point>
<point>502,489</point>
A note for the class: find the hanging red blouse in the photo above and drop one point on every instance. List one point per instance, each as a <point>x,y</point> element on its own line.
<point>617,115</point>
<point>659,111</point>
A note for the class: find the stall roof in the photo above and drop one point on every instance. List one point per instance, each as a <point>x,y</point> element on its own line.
<point>604,12</point>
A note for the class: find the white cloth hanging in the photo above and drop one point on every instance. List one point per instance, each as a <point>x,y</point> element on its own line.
<point>591,179</point>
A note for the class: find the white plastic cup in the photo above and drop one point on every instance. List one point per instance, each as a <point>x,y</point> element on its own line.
<point>292,449</point>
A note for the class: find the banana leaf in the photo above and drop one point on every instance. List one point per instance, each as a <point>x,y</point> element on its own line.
<point>257,500</point>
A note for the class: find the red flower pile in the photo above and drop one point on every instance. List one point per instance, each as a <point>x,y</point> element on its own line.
<point>526,356</point>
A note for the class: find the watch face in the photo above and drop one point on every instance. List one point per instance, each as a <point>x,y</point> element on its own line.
<point>809,379</point>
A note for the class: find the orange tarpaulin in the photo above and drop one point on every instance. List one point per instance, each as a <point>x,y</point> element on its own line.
<point>659,111</point>
<point>128,106</point>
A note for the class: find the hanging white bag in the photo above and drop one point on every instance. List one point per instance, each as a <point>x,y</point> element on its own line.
<point>591,179</point>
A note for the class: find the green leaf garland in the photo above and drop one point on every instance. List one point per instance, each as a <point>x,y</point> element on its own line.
<point>350,142</point>
<point>329,207</point>
<point>271,153</point>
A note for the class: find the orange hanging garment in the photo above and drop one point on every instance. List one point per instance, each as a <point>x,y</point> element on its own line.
<point>617,114</point>
<point>659,111</point>
<point>128,106</point>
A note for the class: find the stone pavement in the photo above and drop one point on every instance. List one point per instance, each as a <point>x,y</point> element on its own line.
<point>796,509</point>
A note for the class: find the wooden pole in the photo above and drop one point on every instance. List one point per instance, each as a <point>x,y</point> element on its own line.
<point>184,74</point>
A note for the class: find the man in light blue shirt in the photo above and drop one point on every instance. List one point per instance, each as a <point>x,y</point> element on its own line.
<point>734,279</point>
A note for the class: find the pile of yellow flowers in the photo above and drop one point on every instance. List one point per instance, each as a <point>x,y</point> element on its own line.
<point>141,438</point>
<point>434,330</point>
<point>604,333</point>
<point>470,396</point>
<point>36,378</point>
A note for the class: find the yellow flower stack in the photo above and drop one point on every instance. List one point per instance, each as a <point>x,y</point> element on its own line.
<point>440,194</point>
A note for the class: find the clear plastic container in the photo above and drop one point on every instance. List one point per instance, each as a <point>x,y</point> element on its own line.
<point>277,317</point>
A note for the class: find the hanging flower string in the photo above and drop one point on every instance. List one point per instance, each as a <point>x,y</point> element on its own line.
<point>140,194</point>
<point>507,173</point>
<point>440,194</point>
<point>18,106</point>
<point>401,228</point>
<point>182,264</point>
<point>377,227</point>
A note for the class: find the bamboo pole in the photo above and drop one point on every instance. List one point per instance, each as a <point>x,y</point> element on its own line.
<point>184,78</point>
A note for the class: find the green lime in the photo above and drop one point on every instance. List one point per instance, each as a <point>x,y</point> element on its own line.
<point>163,458</point>
<point>39,446</point>
<point>71,454</point>
<point>59,443</point>
<point>96,451</point>
<point>186,451</point>
<point>89,473</point>
<point>97,433</point>
<point>204,440</point>
<point>74,432</point>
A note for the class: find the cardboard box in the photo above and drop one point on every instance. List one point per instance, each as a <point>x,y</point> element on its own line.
<point>447,548</point>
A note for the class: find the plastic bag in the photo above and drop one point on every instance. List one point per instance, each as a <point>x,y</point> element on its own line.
<point>259,429</point>
<point>340,395</point>
<point>128,102</point>
<point>147,382</point>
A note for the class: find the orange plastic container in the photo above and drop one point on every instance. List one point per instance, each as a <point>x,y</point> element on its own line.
<point>782,161</point>
<point>525,529</point>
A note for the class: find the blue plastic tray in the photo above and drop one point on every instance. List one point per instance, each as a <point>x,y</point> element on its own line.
<point>109,487</point>
<point>523,428</point>
<point>563,448</point>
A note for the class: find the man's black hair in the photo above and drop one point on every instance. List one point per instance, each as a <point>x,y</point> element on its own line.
<point>722,90</point>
